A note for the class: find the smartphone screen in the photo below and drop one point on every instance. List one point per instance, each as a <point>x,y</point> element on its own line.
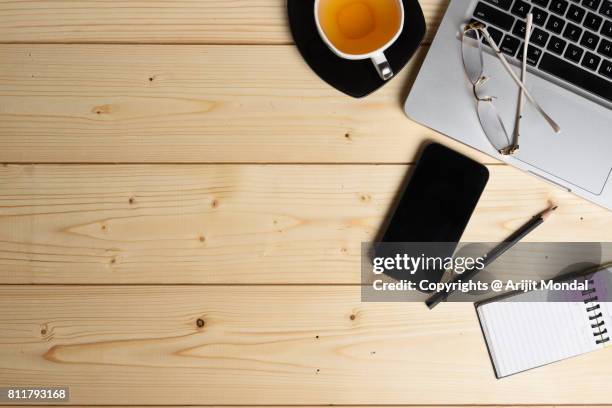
<point>438,200</point>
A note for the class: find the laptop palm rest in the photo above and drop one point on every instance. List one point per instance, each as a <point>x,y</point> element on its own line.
<point>581,153</point>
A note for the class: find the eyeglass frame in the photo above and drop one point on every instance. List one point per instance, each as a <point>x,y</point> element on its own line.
<point>479,27</point>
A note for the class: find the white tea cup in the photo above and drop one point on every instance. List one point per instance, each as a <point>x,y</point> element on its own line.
<point>360,29</point>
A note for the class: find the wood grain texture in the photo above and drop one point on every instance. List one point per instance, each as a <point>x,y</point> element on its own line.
<point>235,223</point>
<point>117,103</point>
<point>273,345</point>
<point>169,21</point>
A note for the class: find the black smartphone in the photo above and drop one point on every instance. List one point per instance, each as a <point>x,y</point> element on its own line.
<point>438,201</point>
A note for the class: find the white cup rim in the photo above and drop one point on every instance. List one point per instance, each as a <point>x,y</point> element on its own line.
<point>371,54</point>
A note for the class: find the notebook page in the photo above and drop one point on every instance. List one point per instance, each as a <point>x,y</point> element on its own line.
<point>525,335</point>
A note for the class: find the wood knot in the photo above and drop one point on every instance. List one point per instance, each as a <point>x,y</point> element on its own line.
<point>200,323</point>
<point>102,109</point>
<point>215,203</point>
<point>347,136</point>
<point>353,317</point>
<point>131,200</point>
<point>365,198</point>
<point>202,238</point>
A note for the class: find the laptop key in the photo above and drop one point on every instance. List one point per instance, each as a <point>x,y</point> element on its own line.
<point>558,6</point>
<point>519,28</point>
<point>607,29</point>
<point>592,4</point>
<point>539,16</point>
<point>577,76</point>
<point>589,40</point>
<point>591,61</point>
<point>491,15</point>
<point>573,53</point>
<point>521,8</point>
<point>606,69</point>
<point>504,4</point>
<point>576,14</point>
<point>556,45</point>
<point>593,21</point>
<point>539,37</point>
<point>533,55</point>
<point>555,24</point>
<point>496,35</point>
<point>510,45</point>
<point>605,48</point>
<point>572,32</point>
<point>606,8</point>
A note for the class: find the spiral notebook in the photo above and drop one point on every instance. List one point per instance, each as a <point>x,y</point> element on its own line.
<point>528,330</point>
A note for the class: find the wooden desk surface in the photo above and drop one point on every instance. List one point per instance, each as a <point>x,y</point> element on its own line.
<point>180,220</point>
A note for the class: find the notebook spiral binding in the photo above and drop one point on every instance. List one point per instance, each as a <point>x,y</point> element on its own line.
<point>595,315</point>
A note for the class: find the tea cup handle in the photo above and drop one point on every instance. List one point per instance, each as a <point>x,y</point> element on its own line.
<point>382,66</point>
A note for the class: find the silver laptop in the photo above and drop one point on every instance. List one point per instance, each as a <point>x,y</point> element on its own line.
<point>569,74</point>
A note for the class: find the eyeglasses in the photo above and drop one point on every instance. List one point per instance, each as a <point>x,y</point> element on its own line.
<point>490,120</point>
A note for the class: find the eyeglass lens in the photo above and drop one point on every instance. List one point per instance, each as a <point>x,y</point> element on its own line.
<point>472,55</point>
<point>490,120</point>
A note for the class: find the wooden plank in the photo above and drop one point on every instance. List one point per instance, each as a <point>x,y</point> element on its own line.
<point>293,345</point>
<point>111,103</point>
<point>235,223</point>
<point>169,21</point>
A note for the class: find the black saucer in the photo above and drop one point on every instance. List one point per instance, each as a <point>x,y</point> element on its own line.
<point>354,78</point>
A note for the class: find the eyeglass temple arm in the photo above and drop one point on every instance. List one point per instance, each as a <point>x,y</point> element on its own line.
<point>519,109</point>
<point>506,65</point>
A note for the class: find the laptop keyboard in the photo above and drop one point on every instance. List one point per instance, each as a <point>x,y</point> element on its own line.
<point>571,39</point>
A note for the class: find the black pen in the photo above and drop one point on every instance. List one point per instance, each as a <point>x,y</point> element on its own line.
<point>492,255</point>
